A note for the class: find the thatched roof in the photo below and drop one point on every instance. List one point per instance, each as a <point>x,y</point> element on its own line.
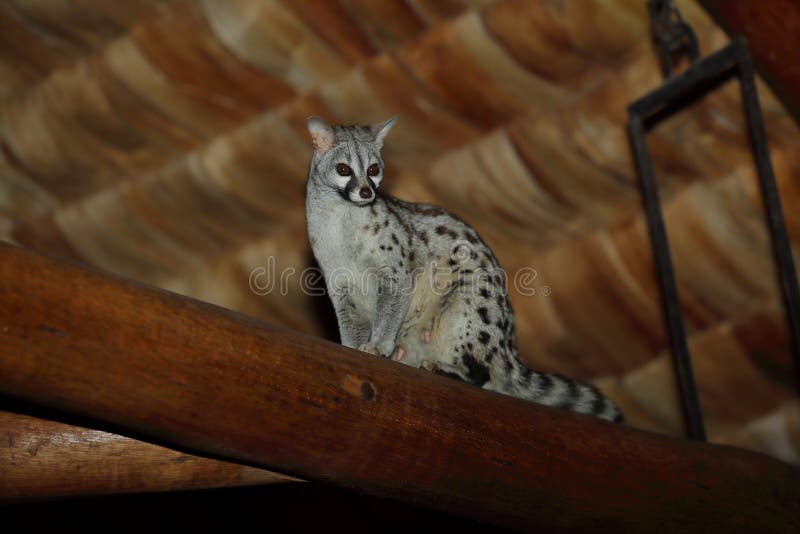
<point>165,140</point>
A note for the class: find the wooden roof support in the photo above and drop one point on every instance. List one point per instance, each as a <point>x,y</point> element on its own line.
<point>206,379</point>
<point>771,28</point>
<point>41,458</point>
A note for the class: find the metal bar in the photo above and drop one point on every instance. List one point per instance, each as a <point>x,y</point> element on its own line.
<point>769,192</point>
<point>669,294</point>
<point>656,105</point>
<point>672,36</point>
<point>681,86</point>
<point>672,96</point>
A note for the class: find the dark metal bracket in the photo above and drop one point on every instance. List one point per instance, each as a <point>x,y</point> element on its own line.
<point>701,77</point>
<point>672,36</point>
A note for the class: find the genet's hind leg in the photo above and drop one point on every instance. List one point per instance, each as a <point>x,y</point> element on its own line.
<point>475,374</point>
<point>459,345</point>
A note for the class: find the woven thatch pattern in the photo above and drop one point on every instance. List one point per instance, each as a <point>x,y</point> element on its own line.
<point>166,141</point>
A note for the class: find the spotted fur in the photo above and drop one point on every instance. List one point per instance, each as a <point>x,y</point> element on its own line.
<point>415,283</point>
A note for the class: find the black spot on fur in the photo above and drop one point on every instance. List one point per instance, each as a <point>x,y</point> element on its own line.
<point>395,240</point>
<point>598,404</point>
<point>443,230</point>
<point>490,355</point>
<point>423,209</point>
<point>411,256</point>
<point>484,293</point>
<point>572,396</point>
<point>484,337</point>
<point>391,205</point>
<point>469,345</point>
<point>469,236</point>
<point>478,373</point>
<point>484,313</point>
<point>424,237</point>
<point>546,382</point>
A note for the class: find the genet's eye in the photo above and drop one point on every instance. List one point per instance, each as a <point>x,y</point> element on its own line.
<point>343,170</point>
<point>373,170</point>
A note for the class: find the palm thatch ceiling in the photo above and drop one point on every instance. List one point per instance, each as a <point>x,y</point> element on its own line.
<point>165,140</point>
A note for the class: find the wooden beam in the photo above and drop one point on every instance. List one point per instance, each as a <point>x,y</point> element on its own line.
<point>41,459</point>
<point>203,378</point>
<point>771,28</point>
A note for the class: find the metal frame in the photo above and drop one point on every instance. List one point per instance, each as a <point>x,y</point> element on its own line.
<point>701,77</point>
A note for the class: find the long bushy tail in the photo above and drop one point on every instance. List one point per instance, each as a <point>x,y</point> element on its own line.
<point>561,392</point>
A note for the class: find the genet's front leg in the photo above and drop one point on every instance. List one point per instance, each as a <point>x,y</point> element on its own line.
<point>391,306</point>
<point>354,330</point>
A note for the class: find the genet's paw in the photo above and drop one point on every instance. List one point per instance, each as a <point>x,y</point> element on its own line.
<point>378,349</point>
<point>429,365</point>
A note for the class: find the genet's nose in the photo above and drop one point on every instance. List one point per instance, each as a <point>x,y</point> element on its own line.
<point>365,192</point>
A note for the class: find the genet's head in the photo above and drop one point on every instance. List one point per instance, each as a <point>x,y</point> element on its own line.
<point>347,159</point>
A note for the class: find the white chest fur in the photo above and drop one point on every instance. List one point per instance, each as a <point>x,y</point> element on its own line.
<point>345,252</point>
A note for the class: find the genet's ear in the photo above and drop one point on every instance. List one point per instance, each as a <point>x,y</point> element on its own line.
<point>322,137</point>
<point>380,130</point>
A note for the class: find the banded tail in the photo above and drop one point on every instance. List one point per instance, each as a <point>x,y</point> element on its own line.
<point>559,391</point>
